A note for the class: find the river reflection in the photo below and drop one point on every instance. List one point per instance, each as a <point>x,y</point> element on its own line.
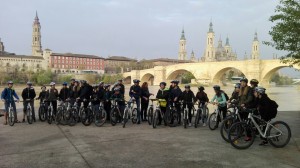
<point>287,97</point>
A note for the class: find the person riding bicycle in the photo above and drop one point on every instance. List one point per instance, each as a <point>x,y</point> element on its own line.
<point>7,96</point>
<point>122,87</point>
<point>51,97</point>
<point>174,97</point>
<point>106,97</point>
<point>135,92</point>
<point>28,93</point>
<point>42,94</point>
<point>120,100</point>
<point>246,94</point>
<point>189,99</point>
<point>64,93</point>
<point>163,96</point>
<point>221,101</point>
<point>265,107</point>
<point>235,93</point>
<point>75,93</point>
<point>254,83</point>
<point>95,98</point>
<point>201,96</point>
<point>86,91</point>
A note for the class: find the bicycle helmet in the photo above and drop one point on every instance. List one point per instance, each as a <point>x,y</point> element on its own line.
<point>120,80</point>
<point>43,87</point>
<point>254,81</point>
<point>29,83</point>
<point>237,85</point>
<point>52,83</point>
<point>117,89</point>
<point>187,86</point>
<point>260,90</point>
<point>163,83</point>
<point>101,83</point>
<point>244,80</point>
<point>83,81</point>
<point>73,79</point>
<point>65,84</point>
<point>217,87</point>
<point>175,81</point>
<point>106,85</point>
<point>136,81</point>
<point>201,88</point>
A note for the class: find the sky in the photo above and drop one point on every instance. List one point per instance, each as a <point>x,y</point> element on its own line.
<point>140,29</point>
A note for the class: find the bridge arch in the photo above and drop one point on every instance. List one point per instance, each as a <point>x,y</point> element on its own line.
<point>177,74</point>
<point>148,77</point>
<point>217,77</point>
<point>265,80</point>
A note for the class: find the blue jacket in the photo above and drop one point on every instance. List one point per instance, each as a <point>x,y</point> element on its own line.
<point>9,94</point>
<point>137,90</point>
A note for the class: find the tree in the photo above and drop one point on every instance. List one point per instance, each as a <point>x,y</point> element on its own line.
<point>286,32</point>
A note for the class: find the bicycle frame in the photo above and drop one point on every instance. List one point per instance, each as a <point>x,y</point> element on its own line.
<point>252,118</point>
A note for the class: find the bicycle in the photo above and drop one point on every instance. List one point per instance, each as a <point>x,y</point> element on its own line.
<point>42,111</point>
<point>230,120</point>
<point>130,112</point>
<point>87,114</point>
<point>49,114</point>
<point>115,112</point>
<point>172,115</point>
<point>100,116</point>
<point>150,112</point>
<point>185,113</point>
<point>201,115</point>
<point>11,114</point>
<point>158,113</point>
<point>73,112</point>
<point>215,118</point>
<point>28,111</point>
<point>272,132</point>
<point>61,115</point>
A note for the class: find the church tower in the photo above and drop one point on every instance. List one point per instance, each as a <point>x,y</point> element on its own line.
<point>36,37</point>
<point>210,49</point>
<point>182,47</point>
<point>255,48</point>
<point>193,57</point>
<point>227,47</point>
<point>1,46</point>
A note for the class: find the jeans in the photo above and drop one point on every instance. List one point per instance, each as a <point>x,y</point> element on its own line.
<point>144,108</point>
<point>25,103</point>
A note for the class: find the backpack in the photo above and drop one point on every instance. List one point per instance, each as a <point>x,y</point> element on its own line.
<point>226,96</point>
<point>273,109</point>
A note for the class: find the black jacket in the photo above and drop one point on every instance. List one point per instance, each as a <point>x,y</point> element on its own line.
<point>188,97</point>
<point>175,92</point>
<point>202,97</point>
<point>264,107</point>
<point>52,95</point>
<point>122,89</point>
<point>162,94</point>
<point>138,91</point>
<point>42,95</point>
<point>28,93</point>
<point>86,92</point>
<point>74,94</point>
<point>64,94</point>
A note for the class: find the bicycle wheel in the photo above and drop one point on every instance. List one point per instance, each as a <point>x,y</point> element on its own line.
<point>155,118</point>
<point>11,117</point>
<point>197,118</point>
<point>114,116</point>
<point>42,114</point>
<point>150,115</point>
<point>279,134</point>
<point>87,117</point>
<point>134,116</point>
<point>241,135</point>
<point>226,124</point>
<point>49,116</point>
<point>29,116</point>
<point>125,117</point>
<point>58,116</point>
<point>73,117</point>
<point>174,118</point>
<point>185,119</point>
<point>100,117</point>
<point>213,121</point>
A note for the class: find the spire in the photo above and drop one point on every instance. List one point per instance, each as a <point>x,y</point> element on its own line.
<point>227,41</point>
<point>220,42</point>
<point>210,27</point>
<point>36,19</point>
<point>182,35</point>
<point>255,36</point>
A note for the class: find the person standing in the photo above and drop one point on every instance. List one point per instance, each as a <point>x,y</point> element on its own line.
<point>175,93</point>
<point>107,102</point>
<point>189,99</point>
<point>201,96</point>
<point>7,96</point>
<point>51,97</point>
<point>145,94</point>
<point>162,96</point>
<point>135,92</point>
<point>122,87</point>
<point>28,95</point>
<point>64,93</point>
<point>220,100</point>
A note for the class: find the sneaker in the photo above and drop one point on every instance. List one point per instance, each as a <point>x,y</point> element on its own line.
<point>204,125</point>
<point>190,124</point>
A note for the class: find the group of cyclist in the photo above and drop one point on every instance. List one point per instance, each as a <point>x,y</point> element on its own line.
<point>248,97</point>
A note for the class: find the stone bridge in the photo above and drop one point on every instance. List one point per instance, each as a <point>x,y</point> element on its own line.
<point>209,72</point>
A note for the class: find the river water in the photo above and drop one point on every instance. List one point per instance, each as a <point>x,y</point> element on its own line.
<point>287,97</point>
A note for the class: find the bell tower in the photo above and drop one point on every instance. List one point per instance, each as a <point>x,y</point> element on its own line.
<point>210,49</point>
<point>182,47</point>
<point>36,37</point>
<point>255,48</point>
